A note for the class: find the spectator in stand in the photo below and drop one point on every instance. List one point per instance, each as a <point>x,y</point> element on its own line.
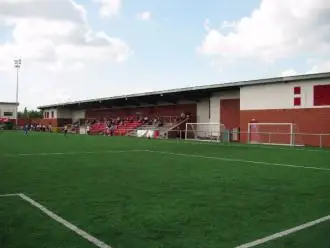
<point>112,129</point>
<point>146,119</point>
<point>183,116</point>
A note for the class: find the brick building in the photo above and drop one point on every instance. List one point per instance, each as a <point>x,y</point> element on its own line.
<point>302,102</point>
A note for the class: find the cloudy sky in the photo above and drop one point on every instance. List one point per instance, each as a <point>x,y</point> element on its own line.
<point>81,49</point>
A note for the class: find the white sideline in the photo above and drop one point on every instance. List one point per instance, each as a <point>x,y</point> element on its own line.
<point>62,221</point>
<point>171,153</point>
<point>69,153</point>
<point>240,160</point>
<point>7,195</point>
<point>284,233</point>
<point>252,146</point>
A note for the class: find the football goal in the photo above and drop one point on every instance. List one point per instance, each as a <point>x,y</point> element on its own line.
<point>204,131</point>
<point>274,134</point>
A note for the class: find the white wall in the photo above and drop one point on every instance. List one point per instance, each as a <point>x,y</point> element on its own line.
<point>54,110</point>
<point>64,114</point>
<point>211,106</point>
<point>8,108</point>
<point>58,113</point>
<point>78,114</point>
<point>203,111</point>
<point>277,96</point>
<point>215,108</point>
<point>203,107</point>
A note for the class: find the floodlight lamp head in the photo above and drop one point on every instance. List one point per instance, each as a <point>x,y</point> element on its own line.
<point>18,63</point>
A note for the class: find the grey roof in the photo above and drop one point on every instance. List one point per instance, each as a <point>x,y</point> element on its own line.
<point>9,103</point>
<point>221,86</point>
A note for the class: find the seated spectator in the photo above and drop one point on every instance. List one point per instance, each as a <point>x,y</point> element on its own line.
<point>146,119</point>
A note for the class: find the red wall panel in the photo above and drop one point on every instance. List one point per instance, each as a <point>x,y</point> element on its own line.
<point>322,95</point>
<point>308,121</point>
<point>230,113</point>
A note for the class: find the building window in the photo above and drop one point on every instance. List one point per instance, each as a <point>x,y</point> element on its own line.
<point>297,90</point>
<point>297,101</point>
<point>8,114</point>
<point>52,114</point>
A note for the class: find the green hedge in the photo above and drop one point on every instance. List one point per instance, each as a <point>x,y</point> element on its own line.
<point>8,126</point>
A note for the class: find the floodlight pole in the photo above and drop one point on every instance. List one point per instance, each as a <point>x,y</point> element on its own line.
<point>18,63</point>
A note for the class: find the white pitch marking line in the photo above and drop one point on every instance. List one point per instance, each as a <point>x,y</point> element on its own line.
<point>62,221</point>
<point>69,153</point>
<point>65,223</point>
<point>240,160</point>
<point>242,145</point>
<point>7,195</point>
<point>284,233</point>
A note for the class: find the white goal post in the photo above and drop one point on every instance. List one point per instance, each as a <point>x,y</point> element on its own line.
<point>274,134</point>
<point>204,131</point>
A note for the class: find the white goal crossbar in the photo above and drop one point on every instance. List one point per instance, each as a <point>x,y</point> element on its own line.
<point>204,131</point>
<point>273,134</point>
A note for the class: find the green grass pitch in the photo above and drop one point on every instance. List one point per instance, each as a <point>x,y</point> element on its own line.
<point>194,195</point>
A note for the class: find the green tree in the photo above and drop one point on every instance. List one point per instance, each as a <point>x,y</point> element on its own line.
<point>26,113</point>
<point>30,114</point>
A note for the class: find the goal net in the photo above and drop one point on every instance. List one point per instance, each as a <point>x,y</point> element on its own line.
<point>204,131</point>
<point>274,134</point>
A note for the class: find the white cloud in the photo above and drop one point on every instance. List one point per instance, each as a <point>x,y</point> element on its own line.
<point>54,31</point>
<point>316,66</point>
<point>61,53</point>
<point>109,8</point>
<point>276,30</point>
<point>144,16</point>
<point>321,66</point>
<point>289,72</point>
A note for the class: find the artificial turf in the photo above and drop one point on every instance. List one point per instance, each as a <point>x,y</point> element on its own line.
<point>181,195</point>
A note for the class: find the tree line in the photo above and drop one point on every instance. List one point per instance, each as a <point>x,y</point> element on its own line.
<point>30,114</point>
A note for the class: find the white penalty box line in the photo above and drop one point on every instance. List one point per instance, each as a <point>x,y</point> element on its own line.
<point>101,244</point>
<point>285,232</point>
<point>60,220</point>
